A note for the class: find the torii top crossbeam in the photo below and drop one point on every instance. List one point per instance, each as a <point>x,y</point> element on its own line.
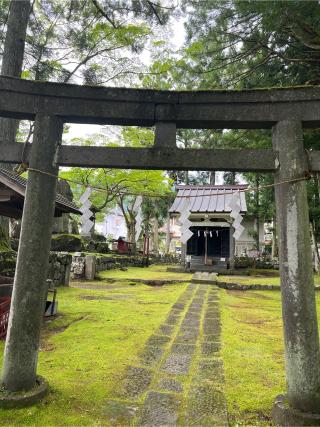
<point>166,110</point>
<point>250,109</point>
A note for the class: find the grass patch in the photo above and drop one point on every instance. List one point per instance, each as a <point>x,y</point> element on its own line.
<point>154,272</point>
<point>253,354</point>
<point>85,351</point>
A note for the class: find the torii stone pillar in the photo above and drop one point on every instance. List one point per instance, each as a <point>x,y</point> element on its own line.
<point>22,344</point>
<point>301,336</point>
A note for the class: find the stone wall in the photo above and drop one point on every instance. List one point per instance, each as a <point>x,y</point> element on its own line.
<point>78,267</point>
<point>59,268</point>
<point>58,272</point>
<point>104,263</point>
<point>63,265</point>
<point>117,262</point>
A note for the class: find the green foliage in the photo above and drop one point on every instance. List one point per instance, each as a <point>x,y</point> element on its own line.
<point>85,40</point>
<point>120,186</point>
<point>254,43</point>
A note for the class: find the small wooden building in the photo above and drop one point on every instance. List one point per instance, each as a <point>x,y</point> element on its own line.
<point>212,245</point>
<point>12,193</point>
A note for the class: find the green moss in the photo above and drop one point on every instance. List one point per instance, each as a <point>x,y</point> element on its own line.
<point>86,350</point>
<point>62,236</point>
<point>253,354</point>
<point>258,280</point>
<point>154,272</point>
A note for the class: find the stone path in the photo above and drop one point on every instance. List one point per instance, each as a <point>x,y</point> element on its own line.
<point>179,378</point>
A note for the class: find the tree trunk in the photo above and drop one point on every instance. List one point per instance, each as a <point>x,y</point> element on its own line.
<point>156,235</point>
<point>212,178</point>
<point>257,213</point>
<point>12,61</point>
<point>274,250</point>
<point>168,237</point>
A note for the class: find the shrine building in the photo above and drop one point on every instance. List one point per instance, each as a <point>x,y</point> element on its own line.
<point>212,245</point>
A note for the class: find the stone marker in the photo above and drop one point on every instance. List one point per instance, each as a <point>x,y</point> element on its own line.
<point>90,267</point>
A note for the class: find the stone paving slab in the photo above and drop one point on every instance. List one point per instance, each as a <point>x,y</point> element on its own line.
<point>198,300</point>
<point>160,409</point>
<point>136,382</point>
<point>196,307</point>
<point>187,336</point>
<point>165,329</point>
<point>177,311</point>
<point>179,306</point>
<point>213,299</point>
<point>150,356</point>
<point>211,326</point>
<point>213,322</point>
<point>206,407</point>
<point>177,364</point>
<point>210,348</point>
<point>213,305</point>
<point>158,340</point>
<point>192,322</point>
<point>191,313</point>
<point>172,319</point>
<point>183,348</point>
<point>212,337</point>
<point>212,313</point>
<point>170,385</point>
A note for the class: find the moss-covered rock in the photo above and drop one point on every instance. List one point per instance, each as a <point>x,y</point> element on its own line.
<point>66,243</point>
<point>97,246</point>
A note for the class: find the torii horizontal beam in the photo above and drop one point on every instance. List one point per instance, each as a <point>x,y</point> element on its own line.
<point>255,109</point>
<point>163,158</point>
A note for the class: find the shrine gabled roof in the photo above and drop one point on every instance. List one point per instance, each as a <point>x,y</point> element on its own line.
<point>19,184</point>
<point>208,198</point>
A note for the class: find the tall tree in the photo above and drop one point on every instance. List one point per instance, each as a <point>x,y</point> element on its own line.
<point>12,62</point>
<point>13,53</point>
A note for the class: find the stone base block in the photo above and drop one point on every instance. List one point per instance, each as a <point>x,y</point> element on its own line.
<point>284,415</point>
<point>22,399</point>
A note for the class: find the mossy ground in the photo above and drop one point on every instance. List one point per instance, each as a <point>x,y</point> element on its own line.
<point>253,354</point>
<point>257,280</point>
<point>85,351</point>
<point>158,272</point>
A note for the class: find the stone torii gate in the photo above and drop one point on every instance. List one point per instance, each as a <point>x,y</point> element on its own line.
<point>286,111</point>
